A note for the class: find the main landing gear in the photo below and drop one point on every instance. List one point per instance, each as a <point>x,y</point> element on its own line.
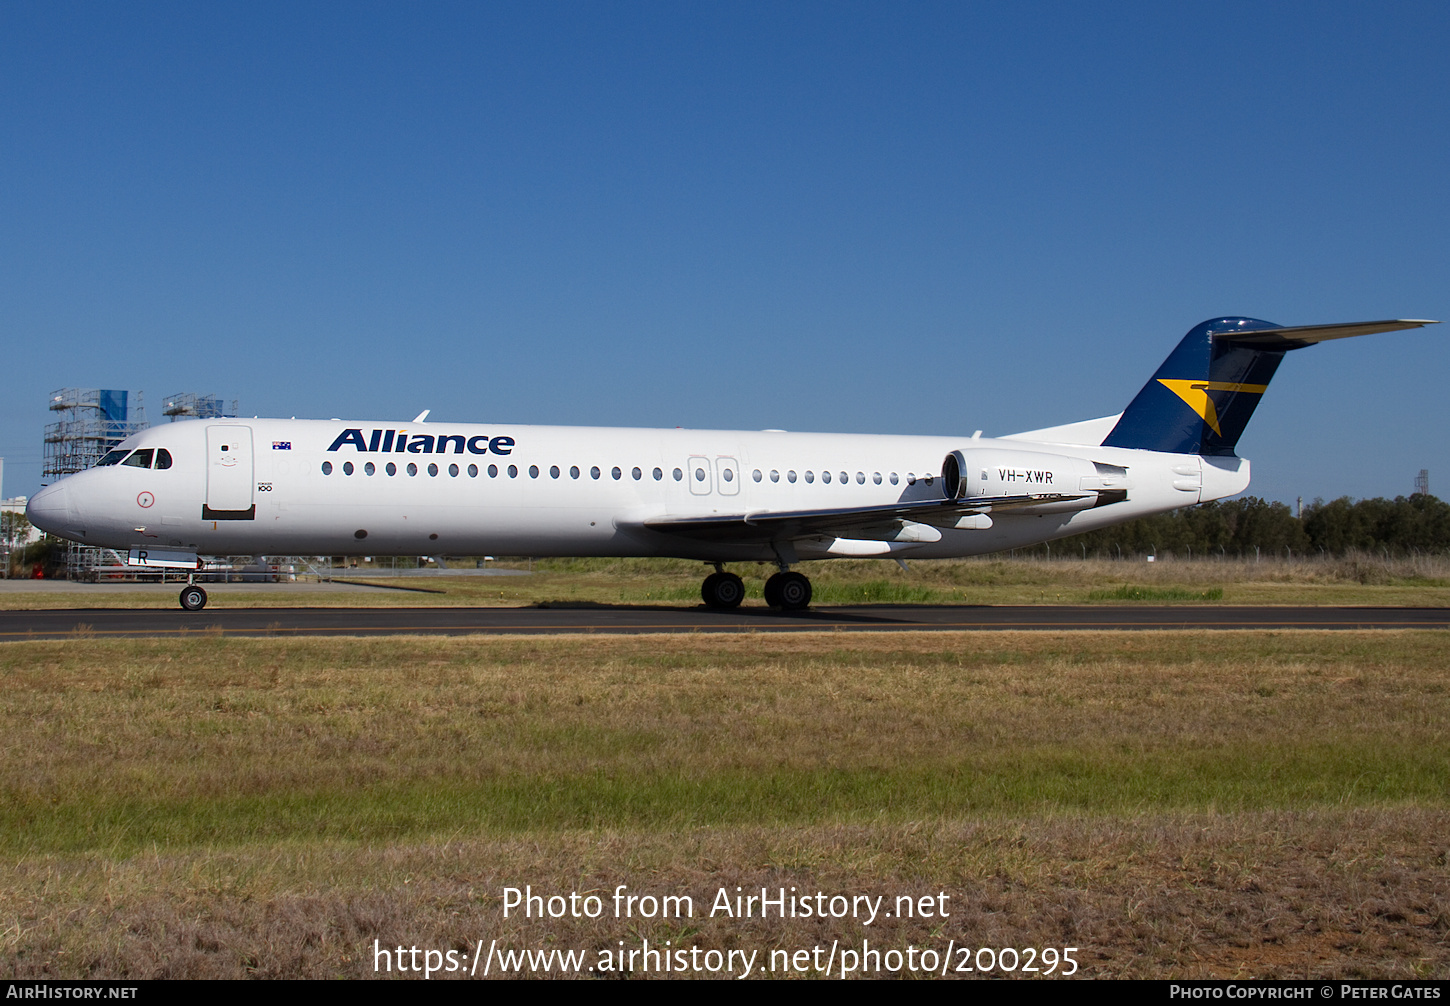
<point>785,590</point>
<point>788,591</point>
<point>722,590</point>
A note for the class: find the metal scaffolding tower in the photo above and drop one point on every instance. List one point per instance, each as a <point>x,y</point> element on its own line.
<point>1422,482</point>
<point>91,422</point>
<point>190,406</point>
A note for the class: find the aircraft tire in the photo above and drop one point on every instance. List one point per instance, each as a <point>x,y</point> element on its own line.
<point>193,598</point>
<point>772,590</point>
<point>722,590</point>
<point>794,591</point>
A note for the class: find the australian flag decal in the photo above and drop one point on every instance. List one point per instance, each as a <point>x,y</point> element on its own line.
<point>281,445</point>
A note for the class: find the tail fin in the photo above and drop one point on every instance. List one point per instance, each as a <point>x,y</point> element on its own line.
<point>1202,396</point>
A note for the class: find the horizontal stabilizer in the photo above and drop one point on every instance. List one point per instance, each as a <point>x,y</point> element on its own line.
<point>1307,335</point>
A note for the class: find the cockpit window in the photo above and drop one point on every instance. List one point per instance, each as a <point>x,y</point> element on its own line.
<point>141,459</point>
<point>163,458</point>
<point>113,458</point>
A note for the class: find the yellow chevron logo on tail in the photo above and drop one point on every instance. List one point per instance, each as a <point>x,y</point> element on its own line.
<point>1195,396</point>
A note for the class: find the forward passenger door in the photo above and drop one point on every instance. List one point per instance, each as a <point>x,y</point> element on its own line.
<point>229,474</point>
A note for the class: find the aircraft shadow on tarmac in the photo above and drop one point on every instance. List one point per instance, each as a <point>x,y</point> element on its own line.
<point>835,614</point>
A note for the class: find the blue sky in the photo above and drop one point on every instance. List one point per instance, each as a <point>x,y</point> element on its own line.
<point>923,218</point>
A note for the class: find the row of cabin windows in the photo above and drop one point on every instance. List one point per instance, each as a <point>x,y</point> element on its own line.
<point>842,477</point>
<point>148,457</point>
<point>160,458</point>
<point>699,473</point>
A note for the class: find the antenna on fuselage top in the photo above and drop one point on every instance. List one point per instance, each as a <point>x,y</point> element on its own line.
<point>422,415</point>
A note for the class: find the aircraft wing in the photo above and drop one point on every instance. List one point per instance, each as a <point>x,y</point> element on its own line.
<point>873,523</point>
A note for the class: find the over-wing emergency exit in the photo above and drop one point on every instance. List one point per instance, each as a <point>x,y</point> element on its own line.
<point>287,487</point>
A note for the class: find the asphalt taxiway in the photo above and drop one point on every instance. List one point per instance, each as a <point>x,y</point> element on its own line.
<point>565,619</point>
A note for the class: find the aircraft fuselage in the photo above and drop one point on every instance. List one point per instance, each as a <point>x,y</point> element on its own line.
<point>379,488</point>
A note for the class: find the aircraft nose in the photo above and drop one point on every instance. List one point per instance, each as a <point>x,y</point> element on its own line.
<point>50,509</point>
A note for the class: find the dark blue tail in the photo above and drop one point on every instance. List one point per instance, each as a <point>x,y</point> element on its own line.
<point>1201,399</point>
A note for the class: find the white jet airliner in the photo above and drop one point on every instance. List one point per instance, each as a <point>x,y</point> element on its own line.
<point>289,487</point>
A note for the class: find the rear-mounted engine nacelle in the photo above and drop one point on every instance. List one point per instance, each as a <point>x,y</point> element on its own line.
<point>995,474</point>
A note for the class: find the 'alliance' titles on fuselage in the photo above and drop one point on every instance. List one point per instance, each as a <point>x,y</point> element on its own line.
<point>403,442</point>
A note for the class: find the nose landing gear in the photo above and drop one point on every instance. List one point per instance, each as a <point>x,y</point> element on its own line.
<point>193,598</point>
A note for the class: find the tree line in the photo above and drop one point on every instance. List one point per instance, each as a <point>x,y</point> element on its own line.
<point>1248,526</point>
<point>1251,526</point>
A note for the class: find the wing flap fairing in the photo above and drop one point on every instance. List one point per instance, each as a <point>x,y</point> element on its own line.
<point>913,521</point>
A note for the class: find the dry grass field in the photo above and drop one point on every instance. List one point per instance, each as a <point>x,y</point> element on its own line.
<point>1171,804</point>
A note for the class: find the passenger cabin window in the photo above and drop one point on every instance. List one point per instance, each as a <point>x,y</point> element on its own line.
<point>141,459</point>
